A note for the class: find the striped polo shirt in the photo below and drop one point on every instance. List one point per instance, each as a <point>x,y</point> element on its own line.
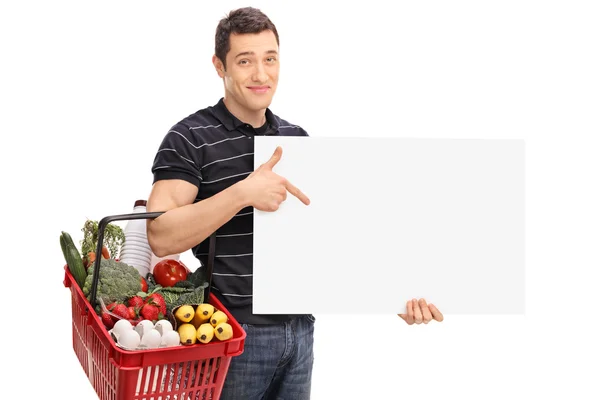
<point>212,149</point>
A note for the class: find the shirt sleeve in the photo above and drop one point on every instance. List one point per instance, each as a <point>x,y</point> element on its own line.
<point>178,157</point>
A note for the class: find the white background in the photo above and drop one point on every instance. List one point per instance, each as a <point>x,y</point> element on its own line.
<point>88,89</point>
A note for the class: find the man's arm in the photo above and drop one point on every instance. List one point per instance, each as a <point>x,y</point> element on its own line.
<point>185,224</point>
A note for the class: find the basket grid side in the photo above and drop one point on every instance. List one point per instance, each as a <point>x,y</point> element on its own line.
<point>79,331</point>
<point>104,372</point>
<point>193,380</point>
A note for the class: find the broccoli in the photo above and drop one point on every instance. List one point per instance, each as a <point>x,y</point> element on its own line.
<point>117,281</point>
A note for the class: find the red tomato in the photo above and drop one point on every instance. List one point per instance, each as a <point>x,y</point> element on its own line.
<point>144,284</point>
<point>168,272</point>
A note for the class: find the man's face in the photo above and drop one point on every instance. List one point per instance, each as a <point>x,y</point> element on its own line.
<point>252,71</point>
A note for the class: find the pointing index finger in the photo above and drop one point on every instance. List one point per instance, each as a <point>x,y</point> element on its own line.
<point>297,192</point>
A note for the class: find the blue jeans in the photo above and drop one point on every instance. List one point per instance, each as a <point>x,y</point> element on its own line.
<point>276,363</point>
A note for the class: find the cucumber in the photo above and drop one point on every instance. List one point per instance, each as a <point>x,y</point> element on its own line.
<point>73,259</point>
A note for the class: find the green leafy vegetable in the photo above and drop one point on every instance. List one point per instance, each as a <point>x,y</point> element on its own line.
<point>176,295</point>
<point>195,296</point>
<point>184,284</point>
<point>114,237</point>
<point>197,278</point>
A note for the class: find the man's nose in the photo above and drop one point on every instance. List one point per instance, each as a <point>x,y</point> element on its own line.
<point>260,74</point>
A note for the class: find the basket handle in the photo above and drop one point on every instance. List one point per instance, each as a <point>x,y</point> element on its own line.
<point>145,215</point>
<point>101,227</point>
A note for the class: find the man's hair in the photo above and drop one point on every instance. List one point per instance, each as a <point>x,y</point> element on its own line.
<point>242,20</point>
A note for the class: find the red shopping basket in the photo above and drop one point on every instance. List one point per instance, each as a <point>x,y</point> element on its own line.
<point>195,372</point>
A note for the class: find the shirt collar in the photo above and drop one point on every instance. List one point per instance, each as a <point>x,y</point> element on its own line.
<point>231,122</point>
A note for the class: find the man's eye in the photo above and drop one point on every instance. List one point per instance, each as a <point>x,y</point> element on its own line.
<point>243,62</point>
<point>271,59</point>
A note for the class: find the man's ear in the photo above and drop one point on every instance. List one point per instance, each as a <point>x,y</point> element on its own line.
<point>218,66</point>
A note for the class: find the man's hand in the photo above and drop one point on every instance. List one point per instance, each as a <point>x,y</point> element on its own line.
<point>420,312</point>
<point>265,190</point>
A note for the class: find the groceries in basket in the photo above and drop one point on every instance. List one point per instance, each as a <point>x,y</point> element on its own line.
<point>114,238</point>
<point>129,303</point>
<point>145,335</point>
<point>201,323</point>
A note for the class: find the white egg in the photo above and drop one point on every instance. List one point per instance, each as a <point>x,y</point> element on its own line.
<point>129,339</point>
<point>170,338</point>
<point>163,326</point>
<point>120,327</point>
<point>151,339</point>
<point>143,327</point>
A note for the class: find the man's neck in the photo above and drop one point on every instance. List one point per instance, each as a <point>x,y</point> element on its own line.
<point>254,118</point>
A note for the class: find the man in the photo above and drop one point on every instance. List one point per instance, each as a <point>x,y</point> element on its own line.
<point>204,179</point>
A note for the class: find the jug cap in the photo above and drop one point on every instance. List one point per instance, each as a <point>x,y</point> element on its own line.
<point>139,203</point>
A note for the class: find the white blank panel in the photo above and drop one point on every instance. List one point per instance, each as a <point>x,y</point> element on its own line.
<point>393,219</point>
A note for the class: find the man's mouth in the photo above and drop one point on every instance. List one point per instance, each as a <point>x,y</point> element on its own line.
<point>259,89</point>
